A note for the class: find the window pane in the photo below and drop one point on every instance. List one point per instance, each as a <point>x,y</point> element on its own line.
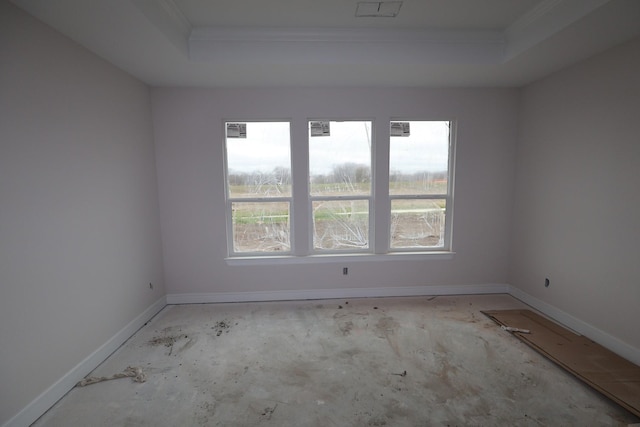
<point>341,224</point>
<point>417,223</point>
<point>260,226</point>
<point>340,162</point>
<point>259,162</point>
<point>419,162</point>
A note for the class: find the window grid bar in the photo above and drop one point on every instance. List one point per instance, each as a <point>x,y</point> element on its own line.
<point>419,196</point>
<point>331,198</point>
<point>260,199</point>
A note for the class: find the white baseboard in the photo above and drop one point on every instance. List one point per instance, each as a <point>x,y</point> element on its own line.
<point>49,397</point>
<point>619,347</point>
<point>612,343</point>
<point>34,410</point>
<point>315,294</point>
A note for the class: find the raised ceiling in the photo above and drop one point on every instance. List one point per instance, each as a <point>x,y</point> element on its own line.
<point>264,43</point>
<point>435,14</point>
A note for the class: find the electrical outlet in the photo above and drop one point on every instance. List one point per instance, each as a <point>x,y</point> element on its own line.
<point>345,270</point>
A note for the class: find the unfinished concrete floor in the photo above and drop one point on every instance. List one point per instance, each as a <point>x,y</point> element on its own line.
<point>334,363</point>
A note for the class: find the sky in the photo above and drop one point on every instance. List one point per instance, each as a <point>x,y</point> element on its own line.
<point>267,147</point>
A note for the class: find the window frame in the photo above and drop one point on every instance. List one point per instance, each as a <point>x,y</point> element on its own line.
<point>379,220</point>
<point>370,197</point>
<point>447,246</point>
<point>229,200</point>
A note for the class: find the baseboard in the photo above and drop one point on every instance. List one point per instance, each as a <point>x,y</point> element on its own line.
<point>612,343</point>
<point>315,294</point>
<point>34,410</point>
<point>49,397</point>
<point>619,347</point>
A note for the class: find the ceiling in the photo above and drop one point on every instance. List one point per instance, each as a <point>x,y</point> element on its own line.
<point>266,43</point>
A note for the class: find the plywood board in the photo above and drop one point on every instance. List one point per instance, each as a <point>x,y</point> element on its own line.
<point>605,371</point>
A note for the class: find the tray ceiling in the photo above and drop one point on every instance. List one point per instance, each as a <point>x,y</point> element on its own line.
<point>260,43</point>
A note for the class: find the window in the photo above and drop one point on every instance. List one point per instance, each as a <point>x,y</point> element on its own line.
<point>420,185</point>
<point>258,187</point>
<point>340,184</point>
<point>337,203</point>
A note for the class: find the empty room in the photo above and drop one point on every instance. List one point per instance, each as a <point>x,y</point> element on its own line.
<point>329,213</point>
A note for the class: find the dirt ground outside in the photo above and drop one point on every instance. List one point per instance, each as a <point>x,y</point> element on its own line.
<point>417,230</point>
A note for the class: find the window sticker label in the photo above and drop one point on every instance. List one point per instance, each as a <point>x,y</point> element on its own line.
<point>320,128</point>
<point>236,130</point>
<point>400,129</point>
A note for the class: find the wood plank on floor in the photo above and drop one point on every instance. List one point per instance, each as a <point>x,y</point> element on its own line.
<point>605,371</point>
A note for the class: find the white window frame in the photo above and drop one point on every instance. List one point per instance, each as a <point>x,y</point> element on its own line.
<point>230,200</point>
<point>378,220</point>
<point>369,198</point>
<point>448,218</point>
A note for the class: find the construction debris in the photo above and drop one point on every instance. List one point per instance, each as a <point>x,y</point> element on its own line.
<point>222,326</point>
<point>135,373</point>
<point>605,371</point>
<point>165,341</point>
<point>512,329</point>
<point>268,412</point>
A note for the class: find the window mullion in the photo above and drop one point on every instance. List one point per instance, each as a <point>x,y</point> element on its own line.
<point>381,205</point>
<point>300,213</point>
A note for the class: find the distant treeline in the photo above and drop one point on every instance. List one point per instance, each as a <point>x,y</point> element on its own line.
<point>347,172</point>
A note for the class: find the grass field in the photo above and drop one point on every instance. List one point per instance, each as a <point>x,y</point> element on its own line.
<point>264,226</point>
<point>401,187</point>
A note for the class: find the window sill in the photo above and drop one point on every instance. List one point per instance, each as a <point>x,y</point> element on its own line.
<point>340,258</point>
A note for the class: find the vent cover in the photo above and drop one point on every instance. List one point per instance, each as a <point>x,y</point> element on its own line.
<point>378,9</point>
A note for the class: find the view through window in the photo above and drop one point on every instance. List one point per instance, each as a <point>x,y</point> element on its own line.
<point>259,186</point>
<point>340,184</point>
<point>419,154</point>
<point>339,189</point>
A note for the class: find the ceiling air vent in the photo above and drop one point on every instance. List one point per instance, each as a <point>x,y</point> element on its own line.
<point>378,9</point>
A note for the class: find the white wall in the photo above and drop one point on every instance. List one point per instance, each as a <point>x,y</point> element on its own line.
<point>189,150</point>
<point>79,226</point>
<point>79,222</point>
<point>577,210</point>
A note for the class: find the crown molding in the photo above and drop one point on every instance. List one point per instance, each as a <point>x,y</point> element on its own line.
<point>251,45</point>
<point>167,17</point>
<point>532,16</point>
<point>342,35</point>
<point>344,45</point>
<point>549,17</point>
